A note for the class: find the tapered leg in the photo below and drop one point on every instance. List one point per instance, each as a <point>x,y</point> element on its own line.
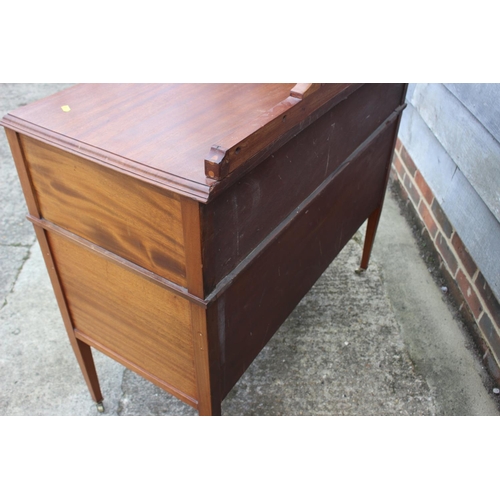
<point>83,354</point>
<point>371,231</point>
<point>373,220</point>
<point>81,349</point>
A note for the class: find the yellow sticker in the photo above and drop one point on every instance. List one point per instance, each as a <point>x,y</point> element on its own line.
<point>66,108</point>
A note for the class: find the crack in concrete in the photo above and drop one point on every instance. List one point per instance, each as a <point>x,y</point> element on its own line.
<point>16,245</point>
<point>21,267</point>
<point>120,408</point>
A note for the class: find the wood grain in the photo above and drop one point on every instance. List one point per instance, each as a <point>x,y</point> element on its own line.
<point>24,177</point>
<point>138,320</point>
<point>120,261</point>
<point>206,357</point>
<point>161,132</point>
<point>301,90</point>
<point>192,238</point>
<point>82,351</point>
<point>137,221</point>
<point>187,294</point>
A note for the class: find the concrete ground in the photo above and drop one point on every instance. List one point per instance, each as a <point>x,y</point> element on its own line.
<point>383,343</point>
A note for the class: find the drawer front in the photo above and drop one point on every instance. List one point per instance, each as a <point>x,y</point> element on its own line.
<point>124,215</point>
<point>136,321</point>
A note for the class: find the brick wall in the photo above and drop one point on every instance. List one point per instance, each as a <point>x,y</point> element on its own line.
<point>476,301</point>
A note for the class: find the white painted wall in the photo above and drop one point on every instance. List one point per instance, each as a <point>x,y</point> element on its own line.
<point>452,132</point>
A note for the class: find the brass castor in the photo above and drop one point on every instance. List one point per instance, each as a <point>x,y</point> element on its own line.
<point>100,407</point>
<point>360,270</point>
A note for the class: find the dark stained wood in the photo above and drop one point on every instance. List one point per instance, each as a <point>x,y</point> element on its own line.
<point>181,278</point>
<point>128,217</point>
<point>242,216</point>
<point>235,150</point>
<point>264,293</point>
<point>374,218</point>
<point>371,230</point>
<point>134,318</point>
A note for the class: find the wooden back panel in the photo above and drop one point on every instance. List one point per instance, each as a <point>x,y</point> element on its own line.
<point>265,292</point>
<point>134,319</point>
<point>241,217</point>
<point>137,221</point>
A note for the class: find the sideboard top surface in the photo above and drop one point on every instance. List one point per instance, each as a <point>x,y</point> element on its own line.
<point>178,135</point>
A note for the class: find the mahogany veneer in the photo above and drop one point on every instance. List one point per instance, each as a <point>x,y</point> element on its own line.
<point>181,224</point>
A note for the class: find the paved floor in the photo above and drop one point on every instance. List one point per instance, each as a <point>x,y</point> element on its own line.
<point>383,343</point>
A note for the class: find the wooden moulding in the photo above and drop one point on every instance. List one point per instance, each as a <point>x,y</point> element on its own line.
<point>240,145</point>
<point>145,273</point>
<point>361,152</point>
<point>132,168</point>
<point>236,150</point>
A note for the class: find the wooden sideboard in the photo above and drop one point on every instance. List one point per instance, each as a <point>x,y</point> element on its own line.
<point>182,224</point>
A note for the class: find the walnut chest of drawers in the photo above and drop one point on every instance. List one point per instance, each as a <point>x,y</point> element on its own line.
<point>181,224</point>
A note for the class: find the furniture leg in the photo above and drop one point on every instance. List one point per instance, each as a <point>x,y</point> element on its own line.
<point>85,359</point>
<point>371,231</point>
<point>81,349</point>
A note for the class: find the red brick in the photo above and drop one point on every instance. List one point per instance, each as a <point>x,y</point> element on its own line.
<point>412,190</point>
<point>492,366</point>
<point>398,166</point>
<point>489,298</point>
<point>398,145</point>
<point>408,162</point>
<point>424,188</point>
<point>446,253</point>
<point>469,293</point>
<point>463,254</point>
<point>402,191</point>
<point>429,222</point>
<point>491,333</point>
<point>441,218</point>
